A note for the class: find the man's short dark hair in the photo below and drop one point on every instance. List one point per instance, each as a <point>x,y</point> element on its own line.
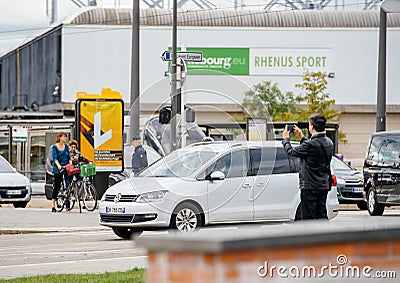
<point>136,138</point>
<point>318,121</point>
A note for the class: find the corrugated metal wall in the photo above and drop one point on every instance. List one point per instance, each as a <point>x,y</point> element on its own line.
<point>31,72</point>
<point>236,18</point>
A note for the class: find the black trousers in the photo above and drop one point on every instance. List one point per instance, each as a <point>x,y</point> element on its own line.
<point>312,205</point>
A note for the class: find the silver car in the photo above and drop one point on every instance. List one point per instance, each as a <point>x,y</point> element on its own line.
<point>208,183</point>
<point>15,188</point>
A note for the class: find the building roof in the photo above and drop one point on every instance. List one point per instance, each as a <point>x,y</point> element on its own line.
<point>243,18</point>
<point>223,18</point>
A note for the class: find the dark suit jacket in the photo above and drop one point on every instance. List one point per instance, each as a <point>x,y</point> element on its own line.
<point>313,166</point>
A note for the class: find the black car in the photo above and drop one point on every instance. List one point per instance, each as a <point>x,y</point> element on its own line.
<point>382,172</point>
<point>350,184</point>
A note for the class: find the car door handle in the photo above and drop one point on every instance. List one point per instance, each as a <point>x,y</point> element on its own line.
<point>246,185</point>
<point>260,185</point>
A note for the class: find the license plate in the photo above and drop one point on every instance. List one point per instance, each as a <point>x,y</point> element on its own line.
<point>13,192</point>
<point>357,190</point>
<point>119,210</point>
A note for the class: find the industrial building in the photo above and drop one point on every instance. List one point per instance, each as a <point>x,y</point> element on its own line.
<point>91,50</point>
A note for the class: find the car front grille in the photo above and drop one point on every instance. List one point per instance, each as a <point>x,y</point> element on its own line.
<point>116,218</point>
<point>124,198</point>
<point>351,195</point>
<point>4,195</point>
<point>358,183</point>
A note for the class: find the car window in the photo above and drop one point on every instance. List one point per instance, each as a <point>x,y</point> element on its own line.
<point>385,150</point>
<point>180,163</point>
<point>269,161</point>
<point>338,165</point>
<point>294,163</point>
<point>5,167</point>
<point>234,164</point>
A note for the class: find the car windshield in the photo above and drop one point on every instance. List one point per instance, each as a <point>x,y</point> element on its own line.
<point>338,165</point>
<point>180,163</point>
<point>5,167</point>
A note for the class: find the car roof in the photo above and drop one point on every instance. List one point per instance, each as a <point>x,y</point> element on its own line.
<point>224,146</point>
<point>387,133</point>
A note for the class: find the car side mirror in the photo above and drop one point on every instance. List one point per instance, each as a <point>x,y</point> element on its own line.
<point>14,170</point>
<point>216,175</point>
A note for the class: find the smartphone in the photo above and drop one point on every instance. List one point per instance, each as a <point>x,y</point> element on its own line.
<point>290,128</point>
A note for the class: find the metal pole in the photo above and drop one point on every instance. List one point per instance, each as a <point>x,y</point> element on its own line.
<point>174,100</point>
<point>10,138</point>
<point>135,89</point>
<point>381,95</point>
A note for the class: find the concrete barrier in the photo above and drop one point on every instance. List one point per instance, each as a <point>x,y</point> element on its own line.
<point>317,251</point>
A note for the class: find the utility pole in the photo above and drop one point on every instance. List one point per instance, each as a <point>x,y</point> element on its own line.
<point>174,96</point>
<point>387,6</point>
<point>135,87</point>
<point>381,95</point>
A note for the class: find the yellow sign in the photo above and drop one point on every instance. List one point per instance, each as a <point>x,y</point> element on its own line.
<point>100,123</point>
<point>106,93</point>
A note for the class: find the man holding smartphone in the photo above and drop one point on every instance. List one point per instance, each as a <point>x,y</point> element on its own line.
<point>315,157</point>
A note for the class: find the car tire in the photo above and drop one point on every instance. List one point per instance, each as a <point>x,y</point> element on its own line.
<point>127,233</point>
<point>186,218</point>
<point>374,208</point>
<point>362,205</point>
<point>20,204</point>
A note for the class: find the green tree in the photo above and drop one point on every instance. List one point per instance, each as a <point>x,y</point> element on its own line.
<point>316,99</point>
<point>266,99</point>
<point>314,96</point>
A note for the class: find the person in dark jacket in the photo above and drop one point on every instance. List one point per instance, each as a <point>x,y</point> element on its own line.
<point>314,175</point>
<point>139,156</point>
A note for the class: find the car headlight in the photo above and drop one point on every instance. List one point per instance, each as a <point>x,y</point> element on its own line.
<point>103,198</point>
<point>155,196</point>
<point>341,181</point>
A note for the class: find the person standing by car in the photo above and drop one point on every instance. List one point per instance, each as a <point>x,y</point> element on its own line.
<point>314,167</point>
<point>139,156</point>
<point>61,157</point>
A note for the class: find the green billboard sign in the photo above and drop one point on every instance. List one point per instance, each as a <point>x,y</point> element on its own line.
<point>220,61</point>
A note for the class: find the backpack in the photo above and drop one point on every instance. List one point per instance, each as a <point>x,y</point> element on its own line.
<point>50,155</point>
<point>50,161</point>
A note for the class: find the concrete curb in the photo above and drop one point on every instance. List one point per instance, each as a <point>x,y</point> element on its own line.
<point>14,231</point>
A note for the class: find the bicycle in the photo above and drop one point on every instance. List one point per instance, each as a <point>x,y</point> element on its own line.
<point>78,191</point>
<point>88,191</point>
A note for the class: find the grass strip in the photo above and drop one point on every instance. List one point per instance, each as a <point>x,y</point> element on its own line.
<point>136,275</point>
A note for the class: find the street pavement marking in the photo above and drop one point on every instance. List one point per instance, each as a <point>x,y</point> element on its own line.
<point>73,261</point>
<point>69,252</point>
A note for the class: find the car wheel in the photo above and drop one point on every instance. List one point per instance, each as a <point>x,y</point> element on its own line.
<point>186,218</point>
<point>374,208</point>
<point>362,205</point>
<point>127,233</point>
<point>20,204</point>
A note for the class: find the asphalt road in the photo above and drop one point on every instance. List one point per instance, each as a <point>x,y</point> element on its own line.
<point>35,241</point>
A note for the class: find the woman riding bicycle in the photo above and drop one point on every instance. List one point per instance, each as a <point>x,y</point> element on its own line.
<point>61,157</point>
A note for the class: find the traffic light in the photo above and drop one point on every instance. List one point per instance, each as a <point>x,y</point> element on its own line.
<point>190,115</point>
<point>165,115</point>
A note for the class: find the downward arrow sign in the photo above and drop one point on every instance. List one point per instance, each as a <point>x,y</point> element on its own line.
<point>99,138</point>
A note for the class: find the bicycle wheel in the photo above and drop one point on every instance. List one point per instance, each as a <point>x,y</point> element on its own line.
<point>72,195</point>
<point>60,201</point>
<point>89,196</point>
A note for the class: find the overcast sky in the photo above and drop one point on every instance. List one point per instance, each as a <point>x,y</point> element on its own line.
<point>22,19</point>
